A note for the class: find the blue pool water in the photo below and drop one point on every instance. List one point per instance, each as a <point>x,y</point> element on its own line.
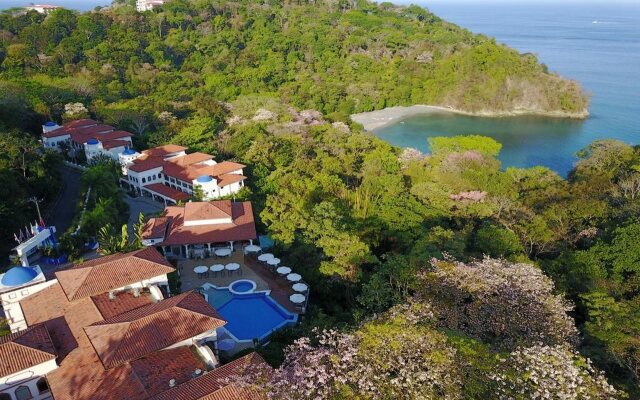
<point>242,286</point>
<point>251,316</point>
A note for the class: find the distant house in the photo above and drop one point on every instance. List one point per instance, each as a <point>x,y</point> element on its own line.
<point>198,228</point>
<point>169,174</point>
<point>104,330</point>
<point>41,8</point>
<point>146,5</point>
<point>87,135</point>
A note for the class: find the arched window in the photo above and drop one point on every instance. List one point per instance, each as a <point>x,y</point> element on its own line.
<point>144,180</point>
<point>23,393</point>
<point>42,385</point>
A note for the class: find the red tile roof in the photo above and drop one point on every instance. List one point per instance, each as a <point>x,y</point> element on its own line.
<point>81,374</point>
<point>145,164</point>
<point>155,228</point>
<point>219,383</point>
<point>167,191</point>
<point>165,150</point>
<point>228,179</point>
<point>242,228</point>
<point>111,272</point>
<point>123,302</point>
<point>157,369</point>
<point>189,159</point>
<point>139,332</point>
<point>203,210</point>
<point>110,144</point>
<point>24,349</point>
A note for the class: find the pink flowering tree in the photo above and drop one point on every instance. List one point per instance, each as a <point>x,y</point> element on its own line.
<point>499,302</point>
<point>397,356</point>
<point>550,372</point>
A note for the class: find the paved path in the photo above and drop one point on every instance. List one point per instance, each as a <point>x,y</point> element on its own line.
<point>142,205</point>
<point>64,209</point>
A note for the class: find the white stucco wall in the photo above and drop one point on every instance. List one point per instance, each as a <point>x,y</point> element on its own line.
<point>11,303</point>
<point>28,377</point>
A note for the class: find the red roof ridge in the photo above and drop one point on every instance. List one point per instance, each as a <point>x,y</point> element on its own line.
<point>26,348</point>
<point>115,271</point>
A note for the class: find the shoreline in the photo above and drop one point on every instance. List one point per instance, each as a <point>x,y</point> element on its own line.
<point>373,120</point>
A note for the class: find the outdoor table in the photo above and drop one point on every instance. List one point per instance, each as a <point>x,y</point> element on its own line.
<point>222,252</point>
<point>232,267</point>
<point>294,277</point>
<point>297,298</point>
<point>216,268</point>
<point>265,257</point>
<point>226,344</point>
<point>273,262</point>
<point>284,270</point>
<point>300,287</point>
<point>201,270</point>
<point>252,248</point>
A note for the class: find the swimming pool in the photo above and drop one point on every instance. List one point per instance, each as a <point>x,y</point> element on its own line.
<point>242,286</point>
<point>254,316</point>
<point>249,314</point>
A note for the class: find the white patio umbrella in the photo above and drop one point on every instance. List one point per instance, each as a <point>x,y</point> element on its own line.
<point>284,270</point>
<point>265,257</point>
<point>200,269</point>
<point>232,266</point>
<point>300,287</point>
<point>273,261</point>
<point>216,267</point>
<point>252,248</point>
<point>222,252</point>
<point>297,298</point>
<point>294,277</point>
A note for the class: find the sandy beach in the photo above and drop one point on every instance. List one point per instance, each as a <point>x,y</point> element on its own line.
<point>380,118</point>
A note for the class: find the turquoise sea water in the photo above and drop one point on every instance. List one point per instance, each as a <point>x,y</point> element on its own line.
<point>597,44</point>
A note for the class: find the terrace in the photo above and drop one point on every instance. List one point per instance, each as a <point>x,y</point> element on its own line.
<point>250,268</point>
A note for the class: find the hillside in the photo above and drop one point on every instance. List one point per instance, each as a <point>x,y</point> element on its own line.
<point>337,58</point>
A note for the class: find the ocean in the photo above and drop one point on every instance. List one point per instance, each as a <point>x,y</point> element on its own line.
<point>597,44</point>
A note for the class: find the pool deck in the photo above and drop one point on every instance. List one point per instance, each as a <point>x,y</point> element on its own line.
<point>250,268</point>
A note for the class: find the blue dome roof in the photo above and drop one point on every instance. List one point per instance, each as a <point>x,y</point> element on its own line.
<point>128,152</point>
<point>19,276</point>
<point>204,178</point>
<point>50,123</point>
<point>92,141</point>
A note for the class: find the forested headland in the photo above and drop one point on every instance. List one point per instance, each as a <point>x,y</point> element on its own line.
<point>442,275</point>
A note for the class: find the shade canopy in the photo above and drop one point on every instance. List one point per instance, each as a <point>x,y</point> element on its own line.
<point>297,298</point>
<point>294,277</point>
<point>216,267</point>
<point>265,257</point>
<point>300,287</point>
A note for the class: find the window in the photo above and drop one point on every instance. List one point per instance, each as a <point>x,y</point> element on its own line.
<point>24,292</point>
<point>23,393</point>
<point>5,396</point>
<point>144,180</point>
<point>42,385</point>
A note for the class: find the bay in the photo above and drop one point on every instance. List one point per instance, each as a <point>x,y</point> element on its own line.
<point>597,44</point>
